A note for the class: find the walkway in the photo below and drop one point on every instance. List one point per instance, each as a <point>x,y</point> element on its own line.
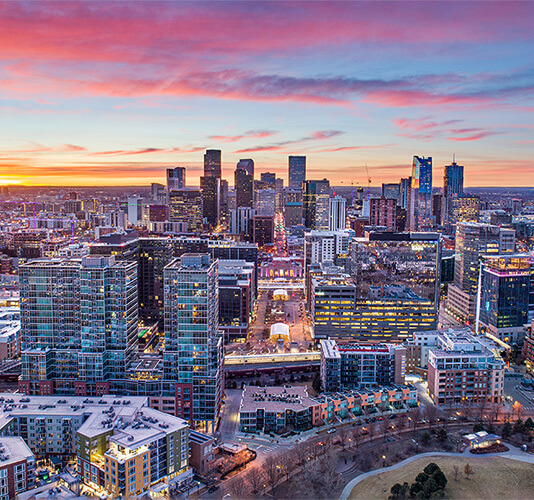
<point>513,453</point>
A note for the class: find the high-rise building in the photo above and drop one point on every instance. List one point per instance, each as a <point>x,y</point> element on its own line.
<point>269,178</point>
<point>263,230</point>
<point>279,194</point>
<point>247,165</point>
<point>244,186</point>
<point>337,210</point>
<point>315,205</point>
<point>241,222</point>
<point>472,241</point>
<point>78,323</point>
<point>193,356</point>
<point>503,299</point>
<point>383,212</point>
<point>212,163</point>
<point>464,208</point>
<point>393,290</point>
<point>265,201</point>
<point>158,193</point>
<point>224,209</point>
<point>391,190</point>
<point>297,172</point>
<point>420,207</point>
<point>293,214</point>
<point>135,210</point>
<point>211,197</point>
<point>438,208</point>
<point>405,186</point>
<point>175,178</point>
<point>453,180</point>
<point>185,205</point>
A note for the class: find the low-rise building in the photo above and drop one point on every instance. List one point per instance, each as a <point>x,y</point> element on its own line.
<point>17,467</point>
<point>202,450</point>
<point>464,369</point>
<point>276,409</point>
<point>356,366</point>
<point>122,446</point>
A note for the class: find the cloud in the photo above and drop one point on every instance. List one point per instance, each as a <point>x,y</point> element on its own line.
<point>142,151</point>
<point>353,148</point>
<point>319,135</point>
<point>473,137</point>
<point>254,134</point>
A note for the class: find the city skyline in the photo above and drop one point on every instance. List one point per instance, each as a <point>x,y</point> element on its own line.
<point>140,87</point>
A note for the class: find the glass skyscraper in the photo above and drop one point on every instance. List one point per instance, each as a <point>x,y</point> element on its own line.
<point>316,198</point>
<point>212,163</point>
<point>420,209</point>
<point>193,355</point>
<point>297,171</point>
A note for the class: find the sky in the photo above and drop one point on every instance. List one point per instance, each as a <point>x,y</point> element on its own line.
<point>112,93</point>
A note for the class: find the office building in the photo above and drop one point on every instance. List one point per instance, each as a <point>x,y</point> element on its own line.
<point>241,221</point>
<point>193,356</point>
<point>211,199</point>
<point>405,187</point>
<point>393,290</point>
<point>326,247</point>
<point>297,172</point>
<point>263,230</point>
<point>383,213</point>
<point>293,214</point>
<point>244,187</point>
<point>265,201</point>
<point>158,213</point>
<point>186,206</point>
<point>78,323</point>
<point>464,369</point>
<point>438,208</point>
<point>316,197</point>
<point>337,213</point>
<point>420,203</point>
<point>464,208</point>
<point>175,179</point>
<point>269,179</point>
<point>236,297</point>
<point>212,163</point>
<point>453,181</point>
<point>361,366</point>
<point>247,165</point>
<point>472,241</point>
<point>158,194</point>
<point>135,210</point>
<point>392,191</point>
<point>223,201</point>
<point>503,302</point>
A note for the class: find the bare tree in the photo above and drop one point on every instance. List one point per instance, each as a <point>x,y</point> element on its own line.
<point>384,428</point>
<point>456,472</point>
<point>343,434</point>
<point>431,414</point>
<point>355,437</point>
<point>255,479</point>
<point>238,488</point>
<point>272,469</point>
<point>287,462</point>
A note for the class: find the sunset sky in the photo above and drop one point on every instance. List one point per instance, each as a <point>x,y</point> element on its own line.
<point>107,93</point>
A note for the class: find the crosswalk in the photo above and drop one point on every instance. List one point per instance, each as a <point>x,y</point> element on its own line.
<point>529,407</point>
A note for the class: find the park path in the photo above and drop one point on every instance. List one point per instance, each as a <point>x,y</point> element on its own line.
<point>513,453</point>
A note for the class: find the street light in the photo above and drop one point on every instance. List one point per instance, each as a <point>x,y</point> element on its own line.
<point>383,460</point>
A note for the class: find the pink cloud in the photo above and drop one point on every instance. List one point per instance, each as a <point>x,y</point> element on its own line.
<point>473,137</point>
<point>319,135</point>
<point>252,134</point>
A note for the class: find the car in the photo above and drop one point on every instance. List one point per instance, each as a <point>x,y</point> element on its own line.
<point>213,488</point>
<point>331,430</point>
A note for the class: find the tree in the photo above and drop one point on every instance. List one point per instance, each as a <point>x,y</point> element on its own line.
<point>422,477</point>
<point>429,487</point>
<point>425,439</point>
<point>456,472</point>
<point>529,424</point>
<point>271,467</point>
<point>384,428</point>
<point>519,427</point>
<point>506,429</point>
<point>287,463</point>
<point>431,414</point>
<point>431,468</point>
<point>441,435</point>
<point>255,479</point>
<point>238,488</point>
<point>468,470</point>
<point>479,426</point>
<point>439,478</point>
<point>415,488</point>
<point>343,433</point>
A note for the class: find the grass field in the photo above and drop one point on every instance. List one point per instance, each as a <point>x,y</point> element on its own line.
<point>493,478</point>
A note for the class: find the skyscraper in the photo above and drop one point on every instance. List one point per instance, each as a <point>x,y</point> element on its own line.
<point>211,196</point>
<point>269,178</point>
<point>212,163</point>
<point>297,171</point>
<point>185,205</point>
<point>78,324</point>
<point>472,241</point>
<point>391,191</point>
<point>193,356</point>
<point>244,186</point>
<point>247,165</point>
<point>453,180</point>
<point>175,178</point>
<point>420,209</point>
<point>337,213</point>
<point>383,212</point>
<point>316,198</point>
